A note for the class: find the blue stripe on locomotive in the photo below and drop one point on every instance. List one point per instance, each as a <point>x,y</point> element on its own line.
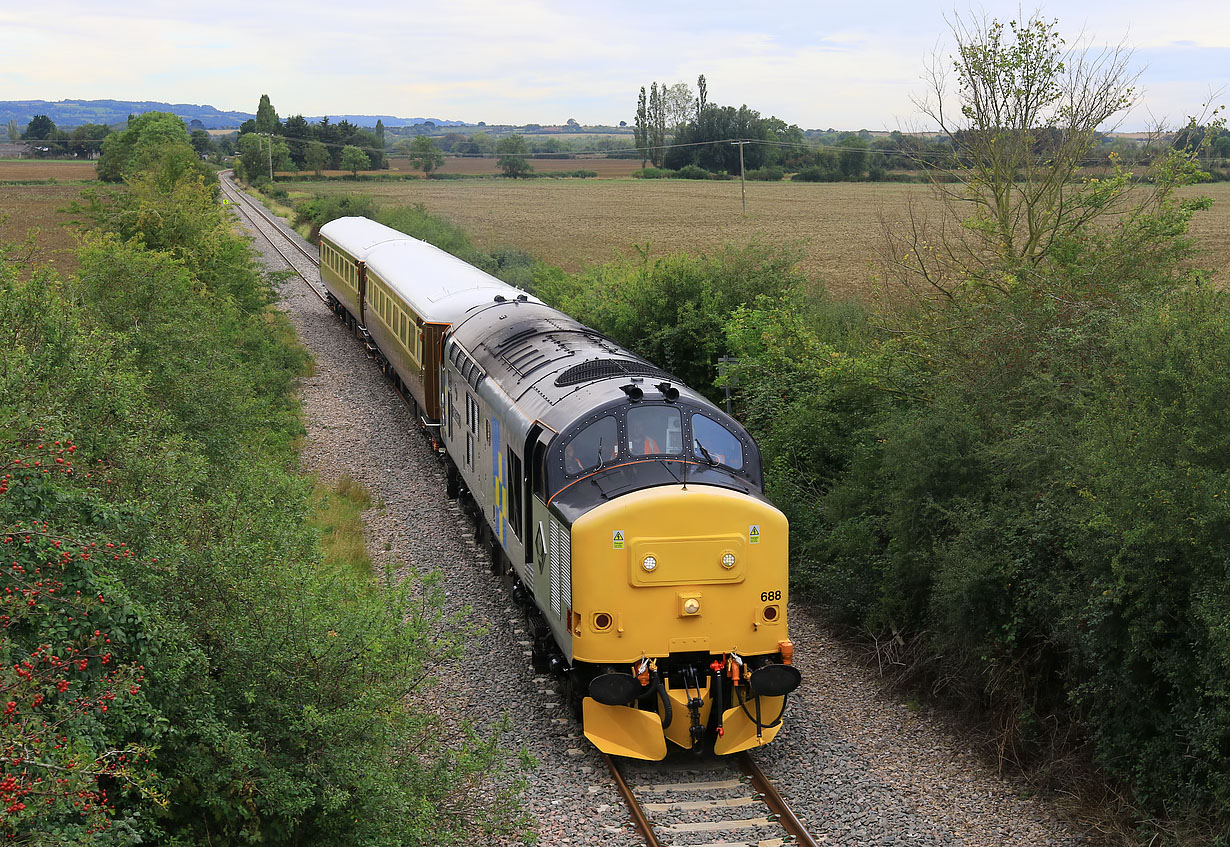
<point>497,478</point>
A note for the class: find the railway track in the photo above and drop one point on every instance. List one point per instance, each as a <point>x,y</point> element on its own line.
<point>263,222</point>
<point>686,802</point>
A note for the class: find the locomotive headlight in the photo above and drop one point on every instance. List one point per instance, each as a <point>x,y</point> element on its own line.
<point>691,606</point>
<point>650,564</point>
<point>728,561</point>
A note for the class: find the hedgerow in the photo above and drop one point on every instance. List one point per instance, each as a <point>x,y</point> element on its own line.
<point>178,664</point>
<point>1020,490</point>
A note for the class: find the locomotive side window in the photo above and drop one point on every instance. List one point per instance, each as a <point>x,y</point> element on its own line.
<point>597,444</point>
<point>655,431</point>
<point>513,486</point>
<point>710,437</point>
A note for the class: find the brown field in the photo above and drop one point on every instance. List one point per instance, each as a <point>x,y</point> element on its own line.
<point>12,170</point>
<point>474,166</point>
<point>573,223</point>
<point>33,209</point>
<point>606,168</point>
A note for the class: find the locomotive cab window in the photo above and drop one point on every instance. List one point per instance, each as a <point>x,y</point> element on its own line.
<point>597,444</point>
<point>655,431</point>
<point>714,444</point>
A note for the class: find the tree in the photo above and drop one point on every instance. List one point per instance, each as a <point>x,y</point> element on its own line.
<point>1021,109</point>
<point>14,132</point>
<point>706,142</point>
<point>266,118</point>
<point>702,94</point>
<point>86,140</point>
<point>680,106</point>
<point>316,157</point>
<point>424,154</point>
<point>852,157</point>
<point>297,132</point>
<point>253,156</point>
<point>380,133</point>
<point>512,151</point>
<point>146,139</point>
<point>200,141</point>
<point>657,124</point>
<point>40,127</point>
<point>354,160</point>
<point>640,130</point>
<point>280,153</point>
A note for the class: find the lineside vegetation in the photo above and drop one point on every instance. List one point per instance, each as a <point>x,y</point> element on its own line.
<point>178,662</point>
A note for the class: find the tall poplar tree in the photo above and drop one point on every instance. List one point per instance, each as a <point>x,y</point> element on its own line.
<point>641,129</point>
<point>266,118</point>
<point>657,124</point>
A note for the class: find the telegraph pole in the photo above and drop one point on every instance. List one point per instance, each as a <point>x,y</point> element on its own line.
<point>742,180</point>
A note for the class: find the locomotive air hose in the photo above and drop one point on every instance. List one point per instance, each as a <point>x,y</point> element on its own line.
<point>660,687</point>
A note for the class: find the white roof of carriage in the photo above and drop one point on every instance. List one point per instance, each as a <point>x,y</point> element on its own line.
<point>358,236</point>
<point>437,285</point>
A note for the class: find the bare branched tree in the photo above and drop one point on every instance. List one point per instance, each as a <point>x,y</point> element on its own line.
<point>1021,109</point>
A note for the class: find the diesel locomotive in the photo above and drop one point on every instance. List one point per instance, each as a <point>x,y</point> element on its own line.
<point>625,511</point>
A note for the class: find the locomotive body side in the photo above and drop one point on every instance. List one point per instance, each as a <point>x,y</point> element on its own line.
<point>585,478</point>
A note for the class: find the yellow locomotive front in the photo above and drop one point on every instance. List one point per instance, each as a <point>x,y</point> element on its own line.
<point>679,600</point>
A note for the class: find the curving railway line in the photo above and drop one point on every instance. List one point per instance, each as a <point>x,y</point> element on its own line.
<point>684,800</point>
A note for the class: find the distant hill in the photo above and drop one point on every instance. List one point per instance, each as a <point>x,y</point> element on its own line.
<point>70,113</point>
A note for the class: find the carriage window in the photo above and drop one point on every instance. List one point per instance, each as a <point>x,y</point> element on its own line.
<point>719,442</point>
<point>597,444</point>
<point>655,431</point>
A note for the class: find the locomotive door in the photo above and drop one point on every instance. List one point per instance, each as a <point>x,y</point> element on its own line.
<point>536,505</point>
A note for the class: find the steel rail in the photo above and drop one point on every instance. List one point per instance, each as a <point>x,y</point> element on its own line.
<point>242,201</point>
<point>252,212</point>
<point>638,814</point>
<point>774,801</point>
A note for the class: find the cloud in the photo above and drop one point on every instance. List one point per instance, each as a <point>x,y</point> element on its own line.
<point>545,60</point>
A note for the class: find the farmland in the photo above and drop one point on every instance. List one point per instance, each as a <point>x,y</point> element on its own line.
<point>35,209</point>
<point>572,223</point>
<point>605,168</point>
<point>23,170</point>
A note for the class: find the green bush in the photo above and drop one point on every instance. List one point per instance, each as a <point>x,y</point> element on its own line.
<point>652,173</point>
<point>817,173</point>
<point>691,172</point>
<point>1023,492</point>
<point>672,310</point>
<point>773,173</point>
<point>319,209</point>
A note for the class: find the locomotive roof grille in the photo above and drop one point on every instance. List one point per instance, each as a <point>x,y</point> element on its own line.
<point>597,369</point>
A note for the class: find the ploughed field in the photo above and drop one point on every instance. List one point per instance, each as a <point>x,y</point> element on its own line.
<point>576,222</point>
<point>18,170</point>
<point>35,210</point>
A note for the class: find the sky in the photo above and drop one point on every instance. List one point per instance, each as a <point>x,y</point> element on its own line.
<point>817,64</point>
